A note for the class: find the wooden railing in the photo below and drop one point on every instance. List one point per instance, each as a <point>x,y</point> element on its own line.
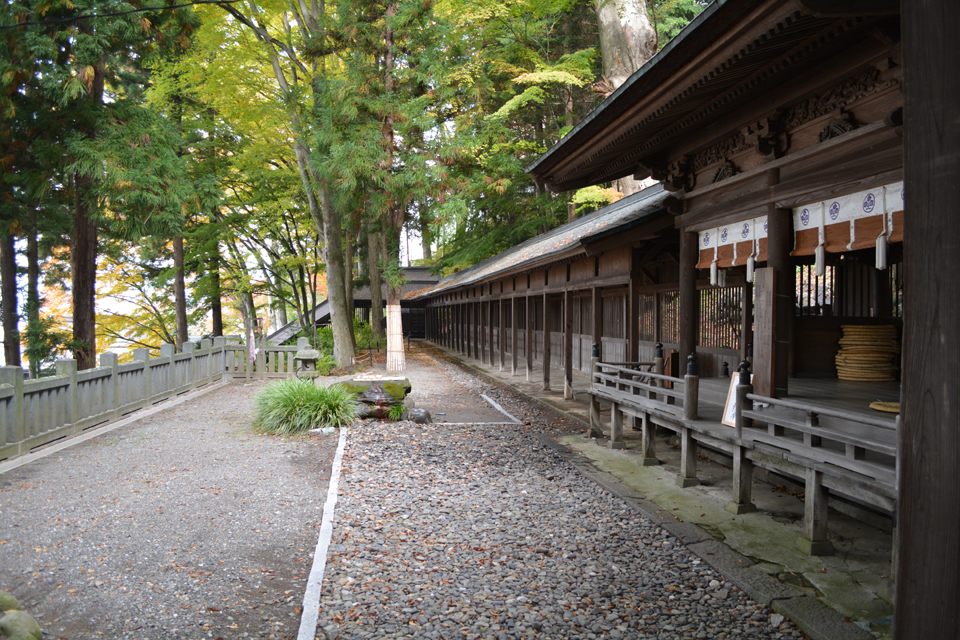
<point>36,412</point>
<point>853,452</point>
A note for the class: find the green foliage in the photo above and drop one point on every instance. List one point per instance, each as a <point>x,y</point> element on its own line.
<point>594,197</point>
<point>669,17</point>
<point>44,345</point>
<point>396,413</point>
<point>326,364</point>
<point>289,407</point>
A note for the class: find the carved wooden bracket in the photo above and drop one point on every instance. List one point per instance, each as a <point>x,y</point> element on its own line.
<point>842,122</point>
<point>726,170</point>
<point>678,175</point>
<point>767,136</point>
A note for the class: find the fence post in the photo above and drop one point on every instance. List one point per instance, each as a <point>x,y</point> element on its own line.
<point>691,388</point>
<point>688,445</point>
<point>814,541</point>
<point>742,467</point>
<point>744,387</point>
<point>262,358</point>
<point>616,427</point>
<point>190,347</point>
<point>658,363</point>
<point>648,441</point>
<point>66,367</point>
<point>219,363</point>
<point>594,431</point>
<point>13,376</point>
<point>206,371</point>
<point>143,355</point>
<point>168,351</point>
<point>111,361</point>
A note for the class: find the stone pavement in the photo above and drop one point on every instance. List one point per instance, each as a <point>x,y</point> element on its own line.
<point>855,583</point>
<point>489,531</point>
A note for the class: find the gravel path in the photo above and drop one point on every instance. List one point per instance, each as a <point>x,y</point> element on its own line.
<point>186,524</point>
<point>482,531</point>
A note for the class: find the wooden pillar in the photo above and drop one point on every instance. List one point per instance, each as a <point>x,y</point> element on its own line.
<point>779,246</point>
<point>597,309</point>
<point>648,444</point>
<point>616,427</point>
<point>746,321</point>
<point>688,459</point>
<point>490,331</point>
<point>514,349</point>
<point>468,326</point>
<point>568,344</point>
<point>689,300</point>
<point>463,328</point>
<point>742,501</point>
<point>502,330</point>
<point>814,541</point>
<point>633,309</point>
<point>483,329</point>
<point>546,343</point>
<point>928,507</point>
<point>528,346</point>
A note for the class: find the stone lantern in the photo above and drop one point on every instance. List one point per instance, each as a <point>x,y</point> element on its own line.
<point>307,363</point>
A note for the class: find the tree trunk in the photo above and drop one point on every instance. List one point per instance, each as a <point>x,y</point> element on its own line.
<point>426,235</point>
<point>8,290</point>
<point>340,318</point>
<point>216,306</point>
<point>179,292</point>
<point>348,248</point>
<point>83,266</point>
<point>83,255</point>
<point>33,299</point>
<point>627,40</point>
<point>396,360</point>
<point>376,286</point>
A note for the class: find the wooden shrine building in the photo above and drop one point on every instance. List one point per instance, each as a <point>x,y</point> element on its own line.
<point>774,128</point>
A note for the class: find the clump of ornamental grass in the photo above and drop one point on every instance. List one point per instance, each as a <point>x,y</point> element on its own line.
<point>397,412</point>
<point>294,406</point>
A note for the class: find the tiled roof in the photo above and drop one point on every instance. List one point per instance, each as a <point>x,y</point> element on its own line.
<point>562,240</point>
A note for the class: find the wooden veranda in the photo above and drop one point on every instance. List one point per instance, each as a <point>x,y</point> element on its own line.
<point>774,129</point>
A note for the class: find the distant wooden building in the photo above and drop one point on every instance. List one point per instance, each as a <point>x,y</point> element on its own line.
<point>413,314</point>
<point>774,129</point>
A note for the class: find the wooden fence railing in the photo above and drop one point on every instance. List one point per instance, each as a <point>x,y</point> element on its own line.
<point>36,412</point>
<point>827,448</point>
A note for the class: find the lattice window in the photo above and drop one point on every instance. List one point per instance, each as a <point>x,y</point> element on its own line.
<point>815,294</point>
<point>721,317</point>
<point>670,317</point>
<point>647,319</point>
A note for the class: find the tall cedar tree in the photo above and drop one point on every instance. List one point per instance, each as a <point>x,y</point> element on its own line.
<point>120,163</point>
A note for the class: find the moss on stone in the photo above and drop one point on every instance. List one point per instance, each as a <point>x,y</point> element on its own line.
<point>17,625</point>
<point>397,390</point>
<point>8,602</point>
<point>356,388</point>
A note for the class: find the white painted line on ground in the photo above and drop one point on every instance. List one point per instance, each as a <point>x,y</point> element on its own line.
<point>499,408</point>
<point>69,441</point>
<point>311,597</point>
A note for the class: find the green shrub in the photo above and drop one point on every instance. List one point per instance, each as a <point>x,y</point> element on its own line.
<point>326,364</point>
<point>295,406</point>
<point>397,412</point>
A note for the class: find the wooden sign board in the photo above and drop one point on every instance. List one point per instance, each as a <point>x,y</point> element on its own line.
<point>764,347</point>
<point>730,408</point>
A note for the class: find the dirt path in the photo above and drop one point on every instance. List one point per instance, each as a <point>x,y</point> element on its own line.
<point>183,524</point>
